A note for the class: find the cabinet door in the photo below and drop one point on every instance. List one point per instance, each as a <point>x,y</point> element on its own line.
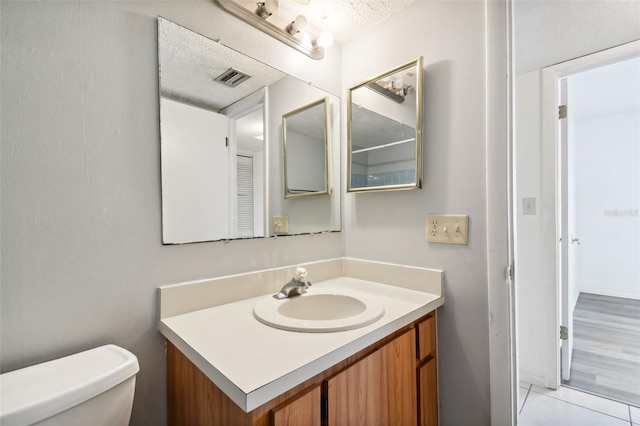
<point>377,390</point>
<point>302,411</point>
<point>428,393</point>
<point>427,337</point>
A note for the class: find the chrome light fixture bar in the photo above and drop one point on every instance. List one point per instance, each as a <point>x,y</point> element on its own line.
<point>314,51</point>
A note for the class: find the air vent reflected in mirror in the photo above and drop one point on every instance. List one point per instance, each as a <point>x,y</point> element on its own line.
<point>232,77</point>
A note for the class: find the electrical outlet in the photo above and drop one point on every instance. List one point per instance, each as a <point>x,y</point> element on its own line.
<point>281,224</point>
<point>447,228</point>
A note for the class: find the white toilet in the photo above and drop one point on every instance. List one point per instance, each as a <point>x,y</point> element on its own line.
<point>94,388</point>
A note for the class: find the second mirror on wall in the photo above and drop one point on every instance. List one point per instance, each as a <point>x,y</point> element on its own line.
<point>384,131</point>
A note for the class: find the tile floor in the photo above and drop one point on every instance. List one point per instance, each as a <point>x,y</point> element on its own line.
<point>566,406</point>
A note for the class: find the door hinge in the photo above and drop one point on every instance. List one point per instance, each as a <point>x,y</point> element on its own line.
<point>564,333</point>
<point>562,112</point>
<point>508,273</point>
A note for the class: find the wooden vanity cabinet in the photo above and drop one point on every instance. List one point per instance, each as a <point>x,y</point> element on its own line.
<point>304,409</point>
<point>380,389</point>
<point>393,382</point>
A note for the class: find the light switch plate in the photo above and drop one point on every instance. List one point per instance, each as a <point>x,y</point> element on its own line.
<point>281,224</point>
<point>448,228</point>
<point>528,206</point>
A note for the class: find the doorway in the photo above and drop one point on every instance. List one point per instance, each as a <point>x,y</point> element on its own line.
<point>550,243</point>
<point>599,255</point>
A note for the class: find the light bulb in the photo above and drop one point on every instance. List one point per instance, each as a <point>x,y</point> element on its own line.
<point>297,25</point>
<point>397,83</point>
<point>325,40</point>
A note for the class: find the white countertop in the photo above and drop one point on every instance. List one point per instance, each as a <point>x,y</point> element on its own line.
<point>254,363</point>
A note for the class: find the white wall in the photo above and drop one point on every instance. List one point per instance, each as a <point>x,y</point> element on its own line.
<point>608,198</point>
<point>528,270</point>
<point>82,251</point>
<point>584,27</point>
<point>391,226</point>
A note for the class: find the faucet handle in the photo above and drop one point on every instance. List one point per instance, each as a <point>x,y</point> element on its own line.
<point>300,274</point>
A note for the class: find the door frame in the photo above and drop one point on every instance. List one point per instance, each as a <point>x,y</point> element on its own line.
<point>551,170</point>
<point>252,102</point>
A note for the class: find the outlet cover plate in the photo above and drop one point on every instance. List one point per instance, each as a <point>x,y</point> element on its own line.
<point>448,228</point>
<point>280,225</point>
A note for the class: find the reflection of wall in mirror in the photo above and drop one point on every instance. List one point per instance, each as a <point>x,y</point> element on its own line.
<point>304,175</point>
<point>390,166</point>
<point>308,214</point>
<point>398,157</point>
<point>193,207</point>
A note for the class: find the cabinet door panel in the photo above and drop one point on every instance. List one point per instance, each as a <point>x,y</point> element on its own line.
<point>428,374</point>
<point>303,411</point>
<point>427,337</point>
<point>377,390</point>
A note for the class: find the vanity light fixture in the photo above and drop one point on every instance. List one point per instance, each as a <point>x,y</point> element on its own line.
<point>393,89</point>
<point>292,35</point>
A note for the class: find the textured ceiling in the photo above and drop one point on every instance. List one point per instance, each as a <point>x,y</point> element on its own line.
<point>345,18</point>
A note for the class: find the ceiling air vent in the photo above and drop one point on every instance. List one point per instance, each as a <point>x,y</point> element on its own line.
<point>232,77</point>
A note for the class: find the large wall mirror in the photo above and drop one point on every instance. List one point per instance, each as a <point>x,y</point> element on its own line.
<point>306,150</point>
<point>384,131</point>
<point>221,115</point>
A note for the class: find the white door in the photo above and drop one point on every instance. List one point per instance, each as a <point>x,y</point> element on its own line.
<point>565,210</point>
<point>567,221</point>
<point>194,173</point>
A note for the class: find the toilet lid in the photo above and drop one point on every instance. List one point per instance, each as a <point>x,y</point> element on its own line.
<point>35,393</point>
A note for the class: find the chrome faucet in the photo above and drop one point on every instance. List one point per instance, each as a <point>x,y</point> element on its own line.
<point>297,286</point>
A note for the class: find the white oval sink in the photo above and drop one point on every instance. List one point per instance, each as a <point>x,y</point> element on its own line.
<point>320,310</point>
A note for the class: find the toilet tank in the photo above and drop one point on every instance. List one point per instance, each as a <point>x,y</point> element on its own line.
<point>94,387</point>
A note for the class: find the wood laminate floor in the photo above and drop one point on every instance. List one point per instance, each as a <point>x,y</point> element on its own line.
<point>606,347</point>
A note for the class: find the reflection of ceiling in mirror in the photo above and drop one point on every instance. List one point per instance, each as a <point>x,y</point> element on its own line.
<point>369,129</point>
<point>189,63</point>
<point>310,122</point>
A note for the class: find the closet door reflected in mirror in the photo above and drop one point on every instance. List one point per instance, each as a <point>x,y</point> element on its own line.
<point>384,131</point>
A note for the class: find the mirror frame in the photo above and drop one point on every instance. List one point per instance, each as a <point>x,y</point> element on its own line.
<point>419,65</point>
<point>327,148</point>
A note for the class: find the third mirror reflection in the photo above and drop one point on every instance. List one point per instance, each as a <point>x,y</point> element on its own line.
<point>306,150</point>
<point>385,131</point>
